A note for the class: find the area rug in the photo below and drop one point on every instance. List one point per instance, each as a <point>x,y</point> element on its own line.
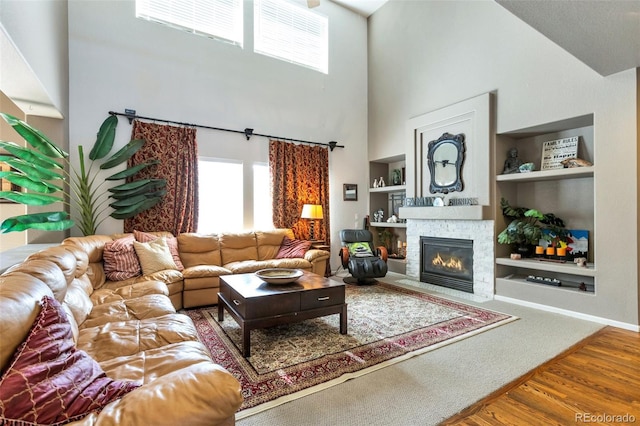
<point>386,324</point>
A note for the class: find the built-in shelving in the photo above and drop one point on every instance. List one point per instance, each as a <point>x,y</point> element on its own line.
<point>566,192</point>
<point>388,224</point>
<point>389,189</point>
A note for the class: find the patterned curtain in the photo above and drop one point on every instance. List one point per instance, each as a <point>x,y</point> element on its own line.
<point>177,150</point>
<point>299,175</point>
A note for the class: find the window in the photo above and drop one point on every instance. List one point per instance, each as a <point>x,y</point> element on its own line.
<point>262,207</point>
<point>221,196</point>
<point>292,33</point>
<point>224,195</point>
<point>218,18</point>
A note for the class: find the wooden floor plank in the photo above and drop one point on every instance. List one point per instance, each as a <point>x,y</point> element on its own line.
<point>599,376</point>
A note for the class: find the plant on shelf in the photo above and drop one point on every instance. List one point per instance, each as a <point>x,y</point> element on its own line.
<point>44,170</point>
<point>528,227</point>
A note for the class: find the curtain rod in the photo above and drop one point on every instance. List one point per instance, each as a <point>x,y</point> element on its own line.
<point>247,132</point>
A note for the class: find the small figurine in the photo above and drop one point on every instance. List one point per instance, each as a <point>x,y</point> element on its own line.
<point>393,219</point>
<point>375,183</point>
<point>512,163</point>
<point>382,184</point>
<point>580,261</point>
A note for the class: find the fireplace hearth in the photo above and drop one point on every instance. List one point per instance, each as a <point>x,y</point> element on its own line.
<point>447,262</point>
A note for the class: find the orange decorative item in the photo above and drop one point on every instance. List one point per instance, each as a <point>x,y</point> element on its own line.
<point>551,251</point>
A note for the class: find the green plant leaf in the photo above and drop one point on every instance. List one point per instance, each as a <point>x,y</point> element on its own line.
<point>34,137</point>
<point>149,187</point>
<point>125,202</point>
<point>30,184</point>
<point>130,211</point>
<point>132,170</point>
<point>137,184</point>
<point>47,221</point>
<point>104,141</point>
<point>33,171</point>
<point>29,198</point>
<point>123,154</point>
<point>33,157</point>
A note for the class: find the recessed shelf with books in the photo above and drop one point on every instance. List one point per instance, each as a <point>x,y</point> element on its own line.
<point>566,192</point>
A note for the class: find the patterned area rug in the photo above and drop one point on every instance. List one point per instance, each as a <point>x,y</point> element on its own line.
<point>386,324</point>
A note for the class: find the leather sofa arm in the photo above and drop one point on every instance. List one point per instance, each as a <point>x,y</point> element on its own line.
<point>314,255</point>
<point>202,394</point>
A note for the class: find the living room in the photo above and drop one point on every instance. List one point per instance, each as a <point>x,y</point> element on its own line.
<point>378,79</point>
<point>407,59</point>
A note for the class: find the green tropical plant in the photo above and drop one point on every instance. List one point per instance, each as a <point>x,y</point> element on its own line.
<point>527,226</point>
<point>45,171</point>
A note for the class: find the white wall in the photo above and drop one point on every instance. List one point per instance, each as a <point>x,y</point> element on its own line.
<point>118,61</point>
<point>427,55</point>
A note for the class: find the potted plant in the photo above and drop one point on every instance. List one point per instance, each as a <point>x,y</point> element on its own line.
<point>44,170</point>
<point>528,227</point>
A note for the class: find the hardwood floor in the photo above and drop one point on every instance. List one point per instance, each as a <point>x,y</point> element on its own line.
<point>596,381</point>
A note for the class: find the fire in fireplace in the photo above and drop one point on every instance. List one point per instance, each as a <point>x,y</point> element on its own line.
<point>447,262</point>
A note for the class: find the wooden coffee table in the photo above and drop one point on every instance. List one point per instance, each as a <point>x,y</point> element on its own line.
<point>255,304</point>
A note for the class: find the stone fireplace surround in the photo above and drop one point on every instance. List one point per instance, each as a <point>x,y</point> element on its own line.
<point>480,231</point>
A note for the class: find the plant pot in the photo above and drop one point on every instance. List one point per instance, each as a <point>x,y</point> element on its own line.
<point>524,250</point>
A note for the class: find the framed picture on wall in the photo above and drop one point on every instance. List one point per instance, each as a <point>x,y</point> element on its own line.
<point>350,192</point>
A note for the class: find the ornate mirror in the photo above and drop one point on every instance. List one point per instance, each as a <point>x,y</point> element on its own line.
<point>445,158</point>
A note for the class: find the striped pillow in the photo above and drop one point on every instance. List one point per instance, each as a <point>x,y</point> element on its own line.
<point>120,259</point>
<point>293,248</point>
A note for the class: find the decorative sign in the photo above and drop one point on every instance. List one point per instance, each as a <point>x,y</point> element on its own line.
<point>553,152</point>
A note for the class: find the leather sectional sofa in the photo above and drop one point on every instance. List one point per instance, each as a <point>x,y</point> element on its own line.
<point>205,259</point>
<point>148,364</point>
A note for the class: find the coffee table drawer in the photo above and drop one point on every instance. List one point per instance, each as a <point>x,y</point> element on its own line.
<point>266,306</point>
<point>322,297</point>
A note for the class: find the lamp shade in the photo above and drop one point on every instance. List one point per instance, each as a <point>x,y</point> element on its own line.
<point>311,211</point>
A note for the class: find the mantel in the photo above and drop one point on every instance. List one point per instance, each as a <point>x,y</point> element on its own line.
<point>446,213</point>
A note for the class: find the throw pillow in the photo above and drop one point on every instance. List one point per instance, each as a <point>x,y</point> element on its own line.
<point>359,249</point>
<point>154,256</point>
<point>172,242</point>
<point>120,259</point>
<point>49,381</point>
<point>292,248</point>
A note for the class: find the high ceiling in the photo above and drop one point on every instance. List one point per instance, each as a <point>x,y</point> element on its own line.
<point>604,34</point>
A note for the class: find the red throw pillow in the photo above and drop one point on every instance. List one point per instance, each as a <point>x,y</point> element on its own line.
<point>49,381</point>
<point>172,242</point>
<point>120,259</point>
<point>293,248</point>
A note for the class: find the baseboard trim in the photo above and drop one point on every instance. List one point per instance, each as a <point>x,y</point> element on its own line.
<point>579,315</point>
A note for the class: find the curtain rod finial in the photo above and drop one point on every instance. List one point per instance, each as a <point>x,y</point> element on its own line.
<point>248,133</point>
<point>332,145</point>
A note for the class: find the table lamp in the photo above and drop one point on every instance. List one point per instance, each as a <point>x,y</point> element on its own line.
<point>312,212</point>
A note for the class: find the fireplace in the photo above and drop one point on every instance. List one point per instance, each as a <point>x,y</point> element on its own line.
<point>447,262</point>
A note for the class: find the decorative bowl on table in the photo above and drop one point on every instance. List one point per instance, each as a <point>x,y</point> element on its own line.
<point>279,275</point>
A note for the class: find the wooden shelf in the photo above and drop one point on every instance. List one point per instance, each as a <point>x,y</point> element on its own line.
<point>573,173</point>
<point>390,188</point>
<point>540,265</point>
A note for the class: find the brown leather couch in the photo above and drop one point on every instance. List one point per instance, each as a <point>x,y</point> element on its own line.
<point>205,259</point>
<point>132,331</point>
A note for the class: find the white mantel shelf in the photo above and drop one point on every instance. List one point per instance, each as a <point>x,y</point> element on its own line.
<point>446,213</point>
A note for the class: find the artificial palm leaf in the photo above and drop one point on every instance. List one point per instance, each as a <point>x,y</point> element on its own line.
<point>132,170</point>
<point>34,137</point>
<point>150,186</point>
<point>135,185</point>
<point>31,170</point>
<point>33,157</point>
<point>29,199</point>
<point>125,202</point>
<point>104,141</point>
<point>123,154</point>
<point>48,221</point>
<point>30,184</point>
<point>130,211</point>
